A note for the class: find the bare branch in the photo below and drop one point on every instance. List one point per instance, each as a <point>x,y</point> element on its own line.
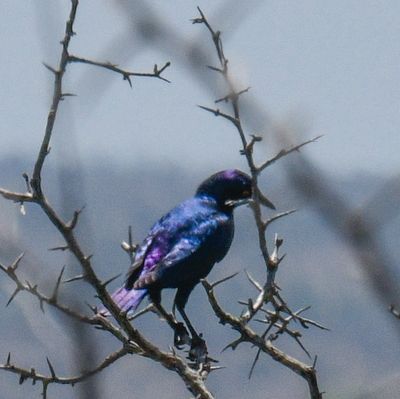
<point>278,216</point>
<point>126,75</point>
<point>266,346</point>
<point>283,153</point>
<point>16,197</point>
<point>57,95</point>
<point>267,291</point>
<point>217,112</point>
<point>31,374</point>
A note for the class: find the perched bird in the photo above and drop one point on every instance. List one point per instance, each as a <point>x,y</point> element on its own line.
<point>183,246</point>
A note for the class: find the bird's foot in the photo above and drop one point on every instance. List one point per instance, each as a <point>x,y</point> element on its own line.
<point>198,350</point>
<point>181,336</point>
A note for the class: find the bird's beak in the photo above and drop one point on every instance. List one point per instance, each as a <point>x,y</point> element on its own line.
<point>236,203</point>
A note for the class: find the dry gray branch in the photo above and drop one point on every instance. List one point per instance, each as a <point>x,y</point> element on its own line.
<point>126,75</point>
<point>46,380</point>
<point>125,332</point>
<point>267,291</point>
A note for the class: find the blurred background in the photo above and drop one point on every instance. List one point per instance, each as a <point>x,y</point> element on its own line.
<point>129,155</point>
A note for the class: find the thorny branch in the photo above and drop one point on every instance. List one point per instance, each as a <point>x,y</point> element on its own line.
<point>124,331</point>
<point>263,344</point>
<point>268,293</point>
<point>126,75</point>
<point>46,380</point>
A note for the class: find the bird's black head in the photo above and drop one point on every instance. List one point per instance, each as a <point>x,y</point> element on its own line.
<point>228,187</point>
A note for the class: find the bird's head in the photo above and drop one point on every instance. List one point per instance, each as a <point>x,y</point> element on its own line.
<point>229,188</point>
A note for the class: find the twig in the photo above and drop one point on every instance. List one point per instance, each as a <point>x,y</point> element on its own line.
<point>33,375</point>
<point>285,152</point>
<point>126,75</point>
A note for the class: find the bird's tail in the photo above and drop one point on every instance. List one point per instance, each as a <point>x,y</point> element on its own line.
<point>126,300</point>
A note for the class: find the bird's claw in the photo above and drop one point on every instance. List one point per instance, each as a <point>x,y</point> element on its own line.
<point>198,350</point>
<point>181,336</point>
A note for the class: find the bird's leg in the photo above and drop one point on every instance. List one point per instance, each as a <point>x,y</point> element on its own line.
<point>198,348</point>
<point>181,335</point>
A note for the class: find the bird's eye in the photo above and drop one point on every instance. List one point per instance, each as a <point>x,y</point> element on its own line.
<point>246,193</point>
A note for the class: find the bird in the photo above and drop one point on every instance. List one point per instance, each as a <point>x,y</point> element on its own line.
<point>183,246</point>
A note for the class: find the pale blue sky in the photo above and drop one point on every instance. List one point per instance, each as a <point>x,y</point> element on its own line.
<point>331,68</point>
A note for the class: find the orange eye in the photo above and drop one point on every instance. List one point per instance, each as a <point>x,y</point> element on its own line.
<point>246,193</point>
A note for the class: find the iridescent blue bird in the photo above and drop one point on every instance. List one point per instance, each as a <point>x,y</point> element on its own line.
<point>183,246</point>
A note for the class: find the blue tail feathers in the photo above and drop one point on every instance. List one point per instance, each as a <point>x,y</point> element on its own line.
<point>127,300</point>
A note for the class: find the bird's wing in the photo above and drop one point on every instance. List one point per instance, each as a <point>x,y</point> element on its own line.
<point>191,238</point>
<point>156,245</point>
<point>137,266</point>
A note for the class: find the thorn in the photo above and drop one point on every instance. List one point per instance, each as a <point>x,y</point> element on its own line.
<point>53,374</point>
<point>254,363</point>
<point>167,64</point>
<point>215,368</point>
<point>302,346</point>
<point>125,246</point>
<point>262,321</point>
<point>215,69</point>
<point>75,278</point>
<point>315,361</point>
<point>254,282</point>
<point>234,344</point>
<point>250,305</point>
<point>231,96</point>
<point>41,305</point>
<point>216,112</point>
<point>13,295</point>
<point>15,264</point>
<point>127,77</point>
<point>197,20</point>
<point>213,285</point>
<point>72,224</point>
<point>249,147</point>
<point>110,280</point>
<point>60,248</point>
<point>33,288</point>
<point>26,178</point>
<point>50,68</point>
<point>172,349</point>
<point>130,235</point>
<point>278,216</point>
<point>264,200</point>
<point>54,296</point>
<point>44,391</point>
<point>8,359</point>
<point>92,308</point>
<point>148,308</point>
